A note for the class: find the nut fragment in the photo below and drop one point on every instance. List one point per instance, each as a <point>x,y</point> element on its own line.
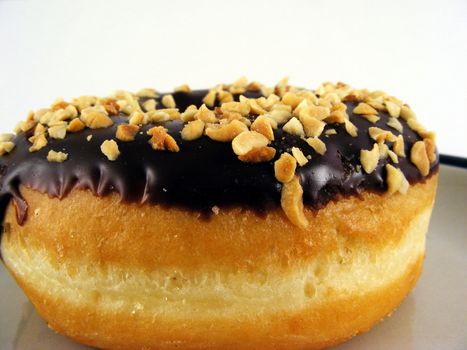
<point>330,132</point>
<point>350,128</point>
<point>396,180</point>
<point>406,113</point>
<point>284,168</point>
<point>150,105</point>
<point>291,99</point>
<point>395,124</point>
<point>381,135</point>
<point>247,140</point>
<point>292,202</point>
<point>110,149</point>
<point>193,130</point>
<point>294,127</point>
<point>126,132</point>
<point>38,142</point>
<point>6,147</point>
<point>95,118</point>
<point>318,145</point>
<point>393,109</point>
<point>183,88</point>
<point>398,146</point>
<point>168,101</point>
<point>57,157</point>
<point>258,155</point>
<point>430,149</point>
<point>137,118</point>
<point>299,156</point>
<point>418,156</point>
<point>262,125</point>
<point>369,159</point>
<point>161,140</point>
<point>312,126</point>
<point>364,108</point>
<point>205,114</point>
<point>227,132</point>
<point>57,130</point>
<point>147,92</point>
<point>370,117</point>
<point>75,125</point>
<point>240,107</point>
<point>210,98</point>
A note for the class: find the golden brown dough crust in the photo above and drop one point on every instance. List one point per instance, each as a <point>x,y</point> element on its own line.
<point>234,281</point>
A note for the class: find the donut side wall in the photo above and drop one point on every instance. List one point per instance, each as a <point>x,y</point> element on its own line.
<point>269,283</point>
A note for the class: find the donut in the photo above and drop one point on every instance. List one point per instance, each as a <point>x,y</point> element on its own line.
<point>241,216</point>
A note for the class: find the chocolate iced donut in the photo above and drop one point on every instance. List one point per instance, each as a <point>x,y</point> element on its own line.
<point>239,216</point>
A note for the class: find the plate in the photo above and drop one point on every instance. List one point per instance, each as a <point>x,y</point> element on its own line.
<point>433,316</point>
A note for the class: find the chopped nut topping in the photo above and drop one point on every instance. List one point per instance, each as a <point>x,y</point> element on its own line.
<point>224,96</point>
<point>350,128</point>
<point>312,126</point>
<point>150,105</point>
<point>210,98</point>
<point>398,146</point>
<point>247,140</point>
<point>418,156</point>
<point>57,130</point>
<point>262,125</point>
<point>330,132</point>
<point>227,132</point>
<point>406,113</point>
<point>38,142</point>
<point>294,127</point>
<point>151,93</point>
<point>369,159</point>
<point>168,101</point>
<point>258,155</point>
<point>189,113</point>
<point>370,117</point>
<point>318,145</point>
<point>193,130</point>
<point>76,125</point>
<point>88,138</point>
<point>299,156</point>
<point>291,99</point>
<point>393,109</point>
<point>395,124</point>
<point>364,108</point>
<point>57,157</point>
<point>95,118</point>
<point>393,157</point>
<point>6,137</point>
<point>383,150</point>
<point>284,168</point>
<point>416,126</point>
<point>110,149</point>
<point>430,149</point>
<point>255,108</point>
<point>292,202</point>
<point>280,116</point>
<point>380,135</point>
<point>110,106</point>
<point>137,118</point>
<point>206,115</point>
<point>161,140</point>
<point>183,88</point>
<point>396,180</point>
<point>6,147</point>
<point>240,107</point>
<point>126,132</point>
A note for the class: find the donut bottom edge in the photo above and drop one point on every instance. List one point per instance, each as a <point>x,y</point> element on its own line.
<point>314,318</point>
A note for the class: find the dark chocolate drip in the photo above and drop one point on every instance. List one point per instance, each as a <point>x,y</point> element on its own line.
<point>203,174</point>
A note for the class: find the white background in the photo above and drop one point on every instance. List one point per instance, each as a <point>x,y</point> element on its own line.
<point>415,50</point>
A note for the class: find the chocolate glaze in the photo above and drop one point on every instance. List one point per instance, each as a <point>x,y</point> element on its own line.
<point>203,174</point>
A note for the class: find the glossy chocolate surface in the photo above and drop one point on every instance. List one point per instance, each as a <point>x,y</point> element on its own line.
<point>203,174</point>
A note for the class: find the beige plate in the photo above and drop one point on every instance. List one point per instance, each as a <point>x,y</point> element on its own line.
<point>434,315</point>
